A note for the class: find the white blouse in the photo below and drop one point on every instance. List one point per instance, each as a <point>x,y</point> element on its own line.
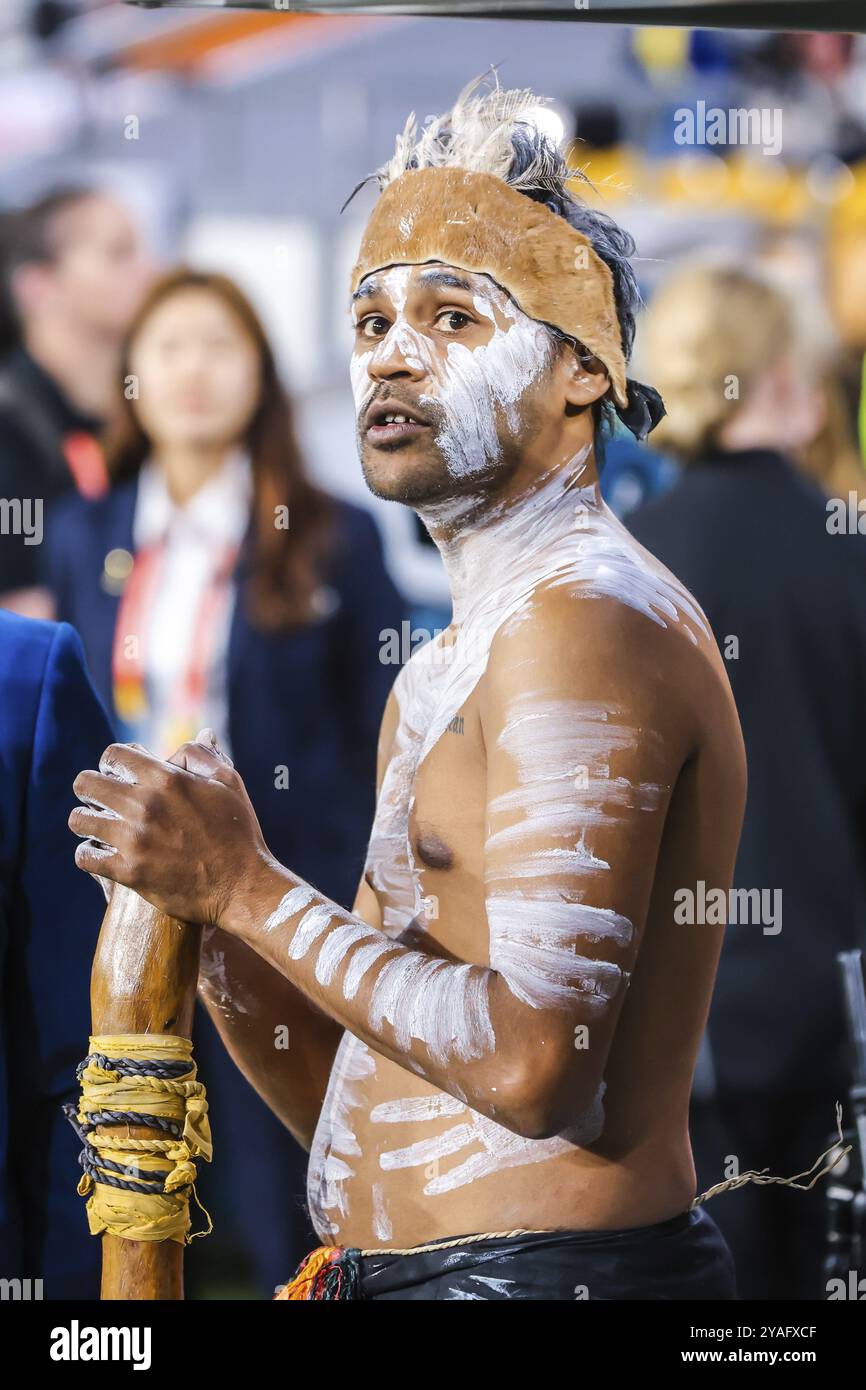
<point>197,536</point>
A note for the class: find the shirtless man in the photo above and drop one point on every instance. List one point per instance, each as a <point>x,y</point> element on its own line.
<point>499,1039</point>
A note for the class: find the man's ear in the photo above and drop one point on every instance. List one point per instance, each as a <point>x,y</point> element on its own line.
<point>585,380</point>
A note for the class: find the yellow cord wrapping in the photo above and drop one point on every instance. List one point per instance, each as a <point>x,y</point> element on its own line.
<point>146,1215</point>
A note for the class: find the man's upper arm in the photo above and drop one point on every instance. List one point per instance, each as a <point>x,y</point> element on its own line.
<point>583,750</point>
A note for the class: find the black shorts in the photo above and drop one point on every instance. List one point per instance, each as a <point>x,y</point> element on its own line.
<point>685,1258</point>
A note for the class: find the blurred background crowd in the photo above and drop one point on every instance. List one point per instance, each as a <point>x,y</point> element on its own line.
<point>174,346</point>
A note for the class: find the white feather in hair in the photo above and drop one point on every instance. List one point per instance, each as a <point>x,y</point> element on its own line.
<point>476,134</point>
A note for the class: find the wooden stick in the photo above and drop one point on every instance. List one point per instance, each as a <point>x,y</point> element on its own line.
<point>145,974</point>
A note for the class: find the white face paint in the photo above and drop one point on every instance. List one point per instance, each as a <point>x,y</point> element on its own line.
<point>416,348</point>
<point>479,383</point>
<point>473,384</point>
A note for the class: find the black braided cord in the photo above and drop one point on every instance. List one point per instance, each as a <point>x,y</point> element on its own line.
<point>89,1158</point>
<point>132,1066</point>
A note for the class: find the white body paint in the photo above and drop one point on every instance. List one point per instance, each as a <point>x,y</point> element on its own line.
<point>490,1148</point>
<point>561,750</point>
<point>116,770</point>
<point>415,1108</point>
<point>334,948</point>
<point>443,1005</point>
<point>381,1220</point>
<point>561,535</point>
<point>101,852</point>
<point>474,384</point>
<point>334,1143</point>
<point>294,900</point>
<point>311,926</point>
<point>227,996</point>
<point>497,1285</point>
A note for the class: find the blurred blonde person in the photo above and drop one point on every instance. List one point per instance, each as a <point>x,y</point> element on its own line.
<point>734,372</point>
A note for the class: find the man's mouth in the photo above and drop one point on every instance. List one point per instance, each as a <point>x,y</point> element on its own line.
<point>389,425</point>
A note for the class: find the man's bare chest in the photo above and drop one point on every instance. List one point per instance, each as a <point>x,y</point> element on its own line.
<point>445,822</point>
<point>426,853</point>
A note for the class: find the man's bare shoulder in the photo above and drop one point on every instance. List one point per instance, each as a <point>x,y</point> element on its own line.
<point>648,650</point>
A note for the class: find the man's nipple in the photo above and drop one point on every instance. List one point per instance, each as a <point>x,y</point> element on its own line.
<point>432,850</point>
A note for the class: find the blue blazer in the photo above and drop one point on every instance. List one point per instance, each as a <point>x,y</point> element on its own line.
<point>51,726</point>
<point>309,701</point>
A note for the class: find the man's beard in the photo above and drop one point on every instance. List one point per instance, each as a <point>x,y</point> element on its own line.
<point>430,480</point>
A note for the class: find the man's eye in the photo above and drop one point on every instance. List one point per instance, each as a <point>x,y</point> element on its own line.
<point>374,326</point>
<point>441,320</point>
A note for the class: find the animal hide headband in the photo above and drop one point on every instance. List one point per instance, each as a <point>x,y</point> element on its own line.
<point>477,222</point>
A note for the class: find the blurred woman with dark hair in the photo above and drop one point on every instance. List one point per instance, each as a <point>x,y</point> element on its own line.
<point>215,585</point>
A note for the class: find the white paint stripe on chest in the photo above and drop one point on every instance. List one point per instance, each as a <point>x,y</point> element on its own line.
<point>329,1172</point>
<point>413,1109</point>
<point>496,1148</point>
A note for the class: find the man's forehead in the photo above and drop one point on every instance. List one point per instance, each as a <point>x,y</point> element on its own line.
<point>434,274</point>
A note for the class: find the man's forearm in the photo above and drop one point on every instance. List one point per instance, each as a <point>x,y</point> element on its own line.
<point>501,1038</point>
<point>457,1025</point>
<point>282,1044</point>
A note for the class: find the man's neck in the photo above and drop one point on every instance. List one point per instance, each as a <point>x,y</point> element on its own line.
<point>81,363</point>
<point>481,535</point>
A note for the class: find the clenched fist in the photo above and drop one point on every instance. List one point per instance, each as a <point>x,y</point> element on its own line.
<point>181,833</point>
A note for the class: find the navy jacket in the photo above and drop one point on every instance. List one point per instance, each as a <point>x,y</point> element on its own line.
<point>36,421</point>
<point>51,726</point>
<point>747,534</point>
<point>309,700</point>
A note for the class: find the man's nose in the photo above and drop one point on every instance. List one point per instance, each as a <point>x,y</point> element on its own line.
<point>399,354</point>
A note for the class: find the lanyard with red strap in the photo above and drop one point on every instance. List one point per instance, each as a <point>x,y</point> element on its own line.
<point>86,462</point>
<point>181,718</point>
